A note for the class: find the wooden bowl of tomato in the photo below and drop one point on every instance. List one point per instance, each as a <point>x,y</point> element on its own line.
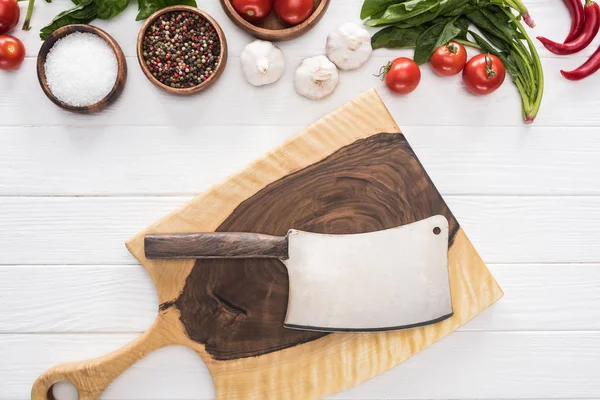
<point>275,20</point>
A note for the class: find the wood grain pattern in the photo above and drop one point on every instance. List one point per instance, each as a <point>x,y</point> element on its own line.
<point>222,63</point>
<point>215,245</point>
<point>121,63</point>
<point>272,29</point>
<point>285,364</point>
<point>373,184</point>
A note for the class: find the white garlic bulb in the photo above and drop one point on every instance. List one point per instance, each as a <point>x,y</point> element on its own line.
<point>316,78</point>
<point>262,63</point>
<point>349,47</point>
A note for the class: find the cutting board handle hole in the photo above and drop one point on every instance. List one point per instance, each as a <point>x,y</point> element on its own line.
<point>63,391</point>
<point>437,230</point>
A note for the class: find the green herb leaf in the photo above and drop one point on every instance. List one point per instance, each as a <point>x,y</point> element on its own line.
<point>374,19</point>
<point>149,7</point>
<point>450,31</point>
<point>405,10</point>
<point>421,19</point>
<point>108,9</point>
<point>83,13</point>
<point>372,7</point>
<point>396,38</point>
<point>452,8</point>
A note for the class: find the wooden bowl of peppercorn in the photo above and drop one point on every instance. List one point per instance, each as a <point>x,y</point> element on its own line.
<point>182,50</point>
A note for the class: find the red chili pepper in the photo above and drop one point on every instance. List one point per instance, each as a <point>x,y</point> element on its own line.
<point>588,68</point>
<point>577,19</point>
<point>590,30</point>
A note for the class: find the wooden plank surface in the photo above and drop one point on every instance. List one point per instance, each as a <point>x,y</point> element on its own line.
<point>505,229</point>
<point>94,161</point>
<point>465,365</point>
<point>122,299</point>
<point>483,151</point>
<point>142,104</point>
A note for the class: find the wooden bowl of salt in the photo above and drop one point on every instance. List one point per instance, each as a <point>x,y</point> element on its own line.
<point>81,68</point>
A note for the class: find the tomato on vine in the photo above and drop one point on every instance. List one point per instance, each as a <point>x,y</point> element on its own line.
<point>9,15</point>
<point>12,52</point>
<point>449,59</point>
<point>484,74</point>
<point>401,76</point>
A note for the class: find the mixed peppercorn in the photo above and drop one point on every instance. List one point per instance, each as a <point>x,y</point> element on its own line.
<point>181,49</point>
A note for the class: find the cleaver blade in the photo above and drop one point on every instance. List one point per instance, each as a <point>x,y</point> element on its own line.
<point>380,281</point>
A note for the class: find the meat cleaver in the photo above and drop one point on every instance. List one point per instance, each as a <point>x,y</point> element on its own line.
<point>380,281</point>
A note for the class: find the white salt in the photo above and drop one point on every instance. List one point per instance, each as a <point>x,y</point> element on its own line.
<point>81,69</point>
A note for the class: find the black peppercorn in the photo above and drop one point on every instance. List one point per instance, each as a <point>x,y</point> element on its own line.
<point>181,49</point>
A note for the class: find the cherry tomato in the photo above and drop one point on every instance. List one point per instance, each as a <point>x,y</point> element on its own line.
<point>9,15</point>
<point>449,59</point>
<point>253,11</point>
<point>402,75</point>
<point>12,52</point>
<point>483,74</point>
<point>294,12</point>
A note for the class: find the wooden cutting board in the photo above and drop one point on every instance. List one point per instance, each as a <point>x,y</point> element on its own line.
<point>351,172</point>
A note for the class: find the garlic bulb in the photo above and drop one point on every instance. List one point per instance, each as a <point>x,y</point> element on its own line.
<point>262,63</point>
<point>316,78</point>
<point>349,47</point>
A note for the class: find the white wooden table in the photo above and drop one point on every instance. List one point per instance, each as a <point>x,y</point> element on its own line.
<point>73,188</point>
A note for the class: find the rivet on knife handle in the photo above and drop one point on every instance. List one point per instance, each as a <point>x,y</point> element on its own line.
<point>215,245</point>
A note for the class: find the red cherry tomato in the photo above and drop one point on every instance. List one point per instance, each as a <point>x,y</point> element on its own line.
<point>294,12</point>
<point>402,75</point>
<point>449,59</point>
<point>9,15</point>
<point>253,11</point>
<point>483,74</point>
<point>12,52</point>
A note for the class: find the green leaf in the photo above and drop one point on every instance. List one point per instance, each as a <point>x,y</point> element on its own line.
<point>372,7</point>
<point>453,8</point>
<point>425,42</point>
<point>374,18</point>
<point>450,31</point>
<point>405,10</point>
<point>83,13</point>
<point>499,19</point>
<point>433,38</point>
<point>463,24</point>
<point>149,7</point>
<point>420,19</point>
<point>396,38</point>
<point>108,9</point>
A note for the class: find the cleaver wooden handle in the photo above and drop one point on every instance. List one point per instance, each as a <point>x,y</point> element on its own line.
<point>215,245</point>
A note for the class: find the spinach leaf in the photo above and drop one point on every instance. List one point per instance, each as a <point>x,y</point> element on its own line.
<point>420,19</point>
<point>492,24</point>
<point>372,7</point>
<point>108,9</point>
<point>463,24</point>
<point>435,37</point>
<point>403,11</point>
<point>500,21</point>
<point>450,31</point>
<point>452,8</point>
<point>83,13</point>
<point>396,38</point>
<point>149,7</point>
<point>486,47</point>
<point>374,18</point>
